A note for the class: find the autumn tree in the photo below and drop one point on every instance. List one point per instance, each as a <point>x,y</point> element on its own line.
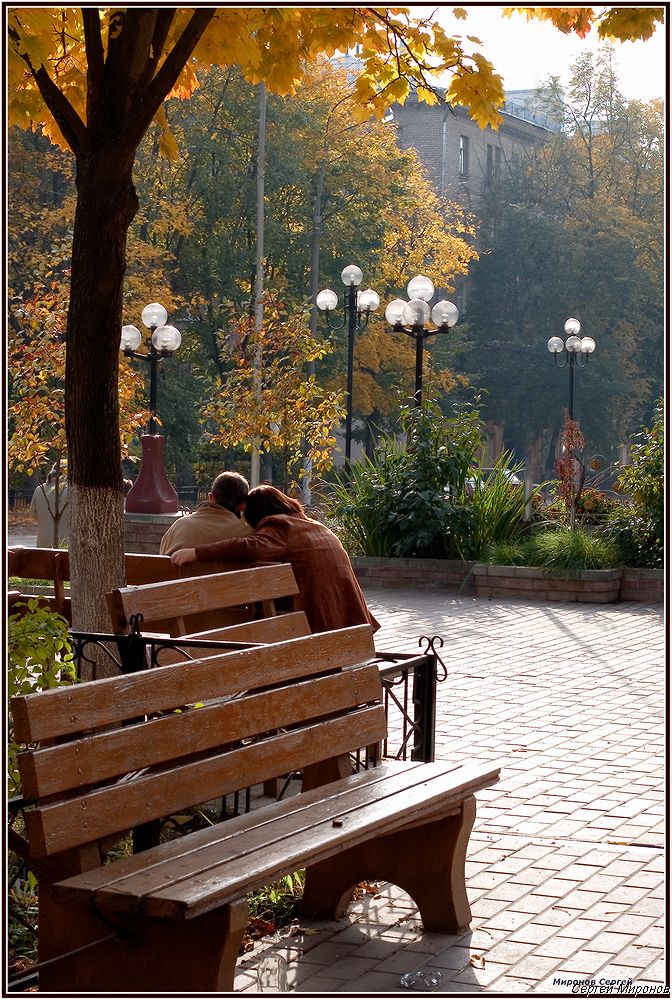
<point>268,396</point>
<point>375,206</point>
<point>576,230</point>
<point>103,75</point>
<point>36,363</point>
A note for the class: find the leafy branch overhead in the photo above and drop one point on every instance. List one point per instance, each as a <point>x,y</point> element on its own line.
<point>623,24</point>
<point>117,65</point>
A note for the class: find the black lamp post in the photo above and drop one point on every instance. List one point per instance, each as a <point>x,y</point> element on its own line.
<point>410,318</point>
<point>357,307</point>
<point>152,493</point>
<point>577,351</point>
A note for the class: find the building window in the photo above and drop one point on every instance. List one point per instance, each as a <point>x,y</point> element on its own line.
<point>464,156</point>
<point>489,164</point>
<point>498,162</point>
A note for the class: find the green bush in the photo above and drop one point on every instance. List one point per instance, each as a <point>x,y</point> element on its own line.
<point>510,553</point>
<point>561,549</point>
<point>408,501</point>
<point>571,551</point>
<point>643,478</point>
<point>637,527</point>
<point>638,537</point>
<point>39,656</point>
<point>499,507</point>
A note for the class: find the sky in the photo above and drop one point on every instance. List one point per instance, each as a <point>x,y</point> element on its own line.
<point>525,53</point>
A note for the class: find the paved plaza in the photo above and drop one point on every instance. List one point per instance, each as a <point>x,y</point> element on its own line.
<point>565,870</point>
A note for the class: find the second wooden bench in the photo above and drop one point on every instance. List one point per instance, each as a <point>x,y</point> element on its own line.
<point>109,754</point>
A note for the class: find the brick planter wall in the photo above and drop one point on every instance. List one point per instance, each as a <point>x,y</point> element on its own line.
<point>595,586</point>
<point>642,585</point>
<point>143,532</point>
<point>424,574</point>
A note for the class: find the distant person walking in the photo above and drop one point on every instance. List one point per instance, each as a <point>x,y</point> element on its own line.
<point>328,589</point>
<point>215,519</point>
<point>49,504</point>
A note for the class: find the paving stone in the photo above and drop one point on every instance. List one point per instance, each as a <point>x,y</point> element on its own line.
<point>638,955</point>
<point>585,963</point>
<point>611,942</point>
<point>353,967</point>
<point>535,967</point>
<point>560,947</point>
<point>509,951</point>
<point>533,933</point>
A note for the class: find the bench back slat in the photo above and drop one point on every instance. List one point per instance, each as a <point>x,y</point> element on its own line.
<point>286,626</point>
<point>279,628</point>
<point>58,712</point>
<point>38,564</point>
<point>200,594</point>
<point>71,822</point>
<point>113,753</point>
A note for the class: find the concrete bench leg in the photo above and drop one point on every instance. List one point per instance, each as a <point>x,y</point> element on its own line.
<point>197,955</point>
<point>425,861</point>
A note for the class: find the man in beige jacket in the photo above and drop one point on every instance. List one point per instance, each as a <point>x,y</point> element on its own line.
<point>214,520</point>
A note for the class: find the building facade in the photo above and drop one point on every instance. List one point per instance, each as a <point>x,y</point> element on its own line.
<point>462,159</point>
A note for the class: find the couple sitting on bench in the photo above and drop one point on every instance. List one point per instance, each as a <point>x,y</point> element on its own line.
<point>275,529</point>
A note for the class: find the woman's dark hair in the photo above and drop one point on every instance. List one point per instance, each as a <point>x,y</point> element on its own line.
<point>263,501</point>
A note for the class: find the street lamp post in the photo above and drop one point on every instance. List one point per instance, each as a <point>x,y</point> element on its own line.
<point>574,348</point>
<point>357,307</point>
<point>410,318</point>
<point>152,493</point>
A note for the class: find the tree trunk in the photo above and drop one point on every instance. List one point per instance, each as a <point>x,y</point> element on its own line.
<point>106,204</point>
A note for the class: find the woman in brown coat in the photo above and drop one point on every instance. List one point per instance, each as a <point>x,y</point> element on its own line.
<point>329,593</point>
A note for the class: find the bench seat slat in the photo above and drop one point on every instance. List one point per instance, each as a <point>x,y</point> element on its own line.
<point>291,848</point>
<point>80,888</point>
<point>226,870</point>
<point>54,713</point>
<point>102,756</point>
<point>56,827</point>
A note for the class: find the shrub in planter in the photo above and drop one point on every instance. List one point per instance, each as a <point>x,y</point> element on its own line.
<point>637,536</point>
<point>638,526</point>
<point>572,551</point>
<point>511,553</point>
<point>408,501</point>
<point>498,506</point>
<point>559,549</point>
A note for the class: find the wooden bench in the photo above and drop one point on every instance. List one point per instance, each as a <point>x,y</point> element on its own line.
<point>111,754</point>
<point>224,601</point>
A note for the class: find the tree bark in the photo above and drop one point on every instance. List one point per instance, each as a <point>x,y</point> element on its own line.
<point>106,205</point>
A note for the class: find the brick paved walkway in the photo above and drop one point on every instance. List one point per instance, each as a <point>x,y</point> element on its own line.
<point>565,871</point>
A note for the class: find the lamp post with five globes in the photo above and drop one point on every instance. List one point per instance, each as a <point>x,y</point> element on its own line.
<point>410,318</point>
<point>152,493</point>
<point>357,307</point>
<point>575,348</point>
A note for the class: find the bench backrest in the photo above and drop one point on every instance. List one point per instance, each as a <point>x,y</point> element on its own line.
<point>216,601</point>
<point>122,751</point>
<point>52,565</point>
<point>142,569</point>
